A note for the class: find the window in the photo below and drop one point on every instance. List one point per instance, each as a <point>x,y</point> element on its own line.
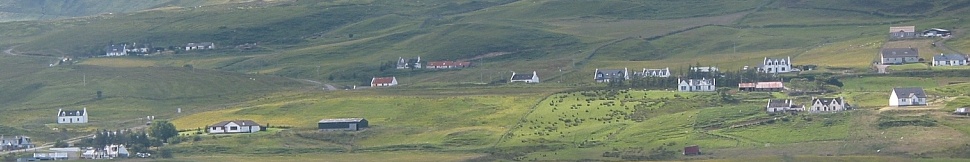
<point>233,128</point>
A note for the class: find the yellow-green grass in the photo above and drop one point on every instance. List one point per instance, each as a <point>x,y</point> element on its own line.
<point>807,17</point>
<point>808,158</point>
<point>860,52</point>
<point>819,128</point>
<point>867,99</point>
<point>118,62</point>
<point>618,29</point>
<point>399,119</point>
<point>885,84</point>
<point>337,157</point>
<point>909,67</point>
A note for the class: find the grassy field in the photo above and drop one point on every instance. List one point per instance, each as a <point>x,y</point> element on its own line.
<point>453,115</point>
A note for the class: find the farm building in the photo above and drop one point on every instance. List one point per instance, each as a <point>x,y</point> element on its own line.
<point>898,55</point>
<point>949,60</point>
<point>343,124</point>
<point>936,32</point>
<point>762,86</point>
<point>609,75</point>
<point>783,106</point>
<point>692,150</point>
<point>235,126</point>
<point>902,32</point>
<point>827,104</point>
<point>663,73</point>
<point>696,85</point>
<point>526,78</point>
<point>907,97</point>
<point>72,116</point>
<point>383,81</point>
<point>775,65</point>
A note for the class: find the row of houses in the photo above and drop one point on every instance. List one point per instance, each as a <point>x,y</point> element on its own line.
<point>125,49</point>
<point>416,63</point>
<point>516,77</point>
<point>249,126</point>
<point>899,97</point>
<point>818,105</point>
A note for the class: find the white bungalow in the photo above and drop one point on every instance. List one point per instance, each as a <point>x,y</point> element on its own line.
<point>235,126</point>
<point>907,97</point>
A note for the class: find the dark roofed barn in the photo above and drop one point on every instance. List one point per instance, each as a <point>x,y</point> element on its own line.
<point>343,124</point>
<point>692,150</point>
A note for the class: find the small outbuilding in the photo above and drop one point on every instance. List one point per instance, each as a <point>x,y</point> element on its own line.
<point>692,150</point>
<point>353,124</point>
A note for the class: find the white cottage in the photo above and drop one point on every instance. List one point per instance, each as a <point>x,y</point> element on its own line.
<point>696,85</point>
<point>783,106</point>
<point>913,96</point>
<point>72,116</point>
<point>526,78</point>
<point>610,75</point>
<point>775,65</point>
<point>827,104</point>
<point>235,126</point>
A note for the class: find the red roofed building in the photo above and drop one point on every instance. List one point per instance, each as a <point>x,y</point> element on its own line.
<point>762,86</point>
<point>447,64</point>
<point>383,81</point>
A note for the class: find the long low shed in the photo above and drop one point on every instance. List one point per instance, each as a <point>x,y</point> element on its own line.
<point>343,124</point>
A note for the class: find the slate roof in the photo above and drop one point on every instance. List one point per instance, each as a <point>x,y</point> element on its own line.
<point>239,122</point>
<point>786,61</point>
<point>826,101</point>
<point>900,52</point>
<point>382,80</point>
<point>72,113</point>
<point>949,57</point>
<point>610,73</point>
<point>905,92</point>
<point>341,120</point>
<point>699,81</point>
<point>522,76</point>
<point>779,103</point>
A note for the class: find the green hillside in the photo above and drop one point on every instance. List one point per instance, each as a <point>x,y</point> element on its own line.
<point>313,60</point>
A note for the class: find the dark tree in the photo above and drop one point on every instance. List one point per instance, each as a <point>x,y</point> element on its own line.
<point>163,130</point>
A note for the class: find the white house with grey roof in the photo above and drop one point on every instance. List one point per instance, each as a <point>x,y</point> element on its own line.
<point>898,55</point>
<point>775,65</point>
<point>72,116</point>
<point>912,96</point>
<point>235,126</point>
<point>827,104</point>
<point>949,60</point>
<point>525,78</point>
<point>663,73</point>
<point>610,75</point>
<point>696,85</point>
<point>783,106</point>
